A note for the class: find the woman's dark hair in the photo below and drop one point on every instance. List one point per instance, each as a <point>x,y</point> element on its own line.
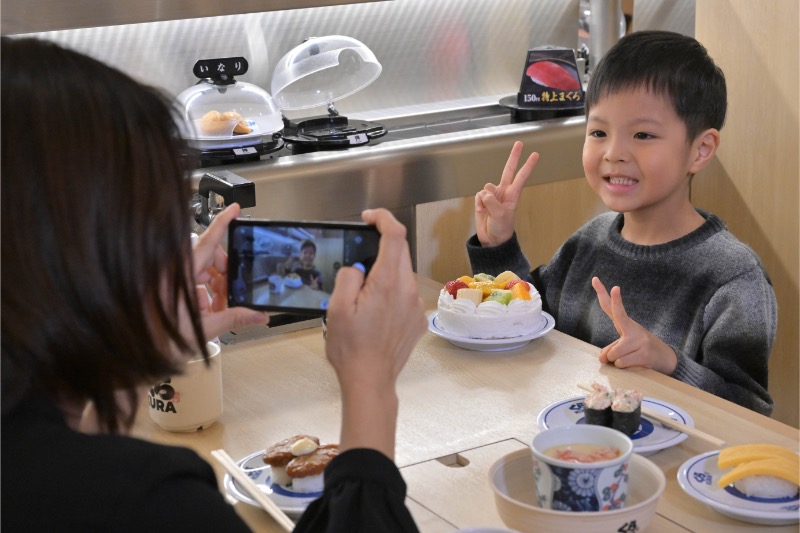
<point>96,251</point>
<point>668,64</point>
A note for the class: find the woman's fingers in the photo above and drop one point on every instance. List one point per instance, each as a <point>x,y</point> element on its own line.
<point>208,252</point>
<point>233,318</point>
<point>348,285</point>
<point>393,247</point>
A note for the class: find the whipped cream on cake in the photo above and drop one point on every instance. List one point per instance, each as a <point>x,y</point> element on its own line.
<point>495,313</point>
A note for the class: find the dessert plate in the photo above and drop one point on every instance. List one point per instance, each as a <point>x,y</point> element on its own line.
<point>292,503</point>
<point>648,439</point>
<point>491,345</point>
<point>698,478</point>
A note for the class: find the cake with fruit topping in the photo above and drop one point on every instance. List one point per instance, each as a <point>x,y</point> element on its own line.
<point>489,307</point>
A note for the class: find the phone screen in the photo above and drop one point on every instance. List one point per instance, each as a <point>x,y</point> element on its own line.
<point>279,265</point>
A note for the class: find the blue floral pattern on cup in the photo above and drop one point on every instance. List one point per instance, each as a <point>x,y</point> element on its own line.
<point>577,490</point>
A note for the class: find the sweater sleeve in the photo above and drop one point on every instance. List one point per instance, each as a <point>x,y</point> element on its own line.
<point>496,259</point>
<point>364,491</point>
<point>740,322</point>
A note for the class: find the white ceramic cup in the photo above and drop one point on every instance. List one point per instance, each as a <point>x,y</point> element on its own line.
<point>570,486</point>
<point>192,400</point>
<point>275,284</point>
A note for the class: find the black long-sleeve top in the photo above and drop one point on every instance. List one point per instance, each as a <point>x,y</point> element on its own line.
<point>56,479</point>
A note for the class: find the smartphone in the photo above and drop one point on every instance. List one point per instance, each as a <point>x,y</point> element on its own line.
<point>290,265</point>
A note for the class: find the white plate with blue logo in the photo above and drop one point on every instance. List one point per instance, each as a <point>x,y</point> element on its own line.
<point>291,502</point>
<point>698,478</point>
<point>650,437</point>
<point>491,345</point>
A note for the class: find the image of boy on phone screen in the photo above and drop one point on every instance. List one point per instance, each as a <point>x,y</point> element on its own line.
<point>304,267</point>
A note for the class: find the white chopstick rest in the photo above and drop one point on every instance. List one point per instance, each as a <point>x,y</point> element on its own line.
<point>249,485</point>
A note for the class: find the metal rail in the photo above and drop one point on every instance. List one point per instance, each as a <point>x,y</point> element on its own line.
<point>407,172</point>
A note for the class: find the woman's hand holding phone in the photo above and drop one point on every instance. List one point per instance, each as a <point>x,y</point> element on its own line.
<point>373,325</point>
<point>210,264</point>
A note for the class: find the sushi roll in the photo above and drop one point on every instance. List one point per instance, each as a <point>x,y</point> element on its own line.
<point>626,411</point>
<point>761,470</point>
<point>597,406</point>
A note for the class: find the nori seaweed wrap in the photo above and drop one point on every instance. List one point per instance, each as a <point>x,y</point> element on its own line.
<point>597,406</point>
<point>626,411</point>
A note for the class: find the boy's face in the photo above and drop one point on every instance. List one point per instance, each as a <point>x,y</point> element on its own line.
<point>636,155</point>
<point>307,256</point>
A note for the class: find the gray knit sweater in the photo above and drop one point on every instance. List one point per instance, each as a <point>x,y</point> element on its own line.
<point>706,295</point>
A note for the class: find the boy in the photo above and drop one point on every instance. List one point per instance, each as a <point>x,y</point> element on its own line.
<point>698,304</point>
<point>304,265</point>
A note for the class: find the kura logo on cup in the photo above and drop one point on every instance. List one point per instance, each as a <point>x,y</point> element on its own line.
<point>162,397</point>
<point>192,400</point>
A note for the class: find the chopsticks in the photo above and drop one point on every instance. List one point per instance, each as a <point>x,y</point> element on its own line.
<point>249,485</point>
<point>674,424</point>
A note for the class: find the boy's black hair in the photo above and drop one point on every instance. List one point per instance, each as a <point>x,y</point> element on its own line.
<point>668,64</point>
<point>308,243</point>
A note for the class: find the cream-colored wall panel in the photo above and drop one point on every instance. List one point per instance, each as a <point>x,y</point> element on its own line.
<point>442,231</point>
<point>547,215</point>
<point>754,184</point>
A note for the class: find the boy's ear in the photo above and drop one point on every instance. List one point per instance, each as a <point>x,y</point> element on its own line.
<point>703,149</point>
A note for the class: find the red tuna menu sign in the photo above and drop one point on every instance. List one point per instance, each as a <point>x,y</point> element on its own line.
<point>550,79</point>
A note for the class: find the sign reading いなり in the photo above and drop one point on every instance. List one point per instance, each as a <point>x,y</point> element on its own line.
<point>550,78</point>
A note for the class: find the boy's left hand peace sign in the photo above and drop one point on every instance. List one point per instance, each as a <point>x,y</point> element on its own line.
<point>636,346</point>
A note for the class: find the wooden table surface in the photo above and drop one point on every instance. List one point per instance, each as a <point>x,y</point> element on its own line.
<point>460,411</point>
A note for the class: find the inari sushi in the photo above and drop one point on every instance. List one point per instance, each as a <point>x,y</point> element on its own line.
<point>597,406</point>
<point>626,411</point>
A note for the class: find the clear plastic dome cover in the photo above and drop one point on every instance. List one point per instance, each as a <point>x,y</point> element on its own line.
<point>220,116</point>
<point>323,70</point>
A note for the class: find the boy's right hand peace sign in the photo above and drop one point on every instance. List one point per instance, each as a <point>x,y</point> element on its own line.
<point>495,205</point>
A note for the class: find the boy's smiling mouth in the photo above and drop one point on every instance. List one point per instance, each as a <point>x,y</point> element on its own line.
<point>620,180</point>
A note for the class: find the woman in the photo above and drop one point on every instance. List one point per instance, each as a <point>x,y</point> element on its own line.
<point>100,299</point>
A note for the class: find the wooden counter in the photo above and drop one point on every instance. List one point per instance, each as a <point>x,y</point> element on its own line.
<point>456,407</point>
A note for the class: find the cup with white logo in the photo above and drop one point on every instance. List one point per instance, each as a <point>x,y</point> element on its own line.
<point>192,400</point>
